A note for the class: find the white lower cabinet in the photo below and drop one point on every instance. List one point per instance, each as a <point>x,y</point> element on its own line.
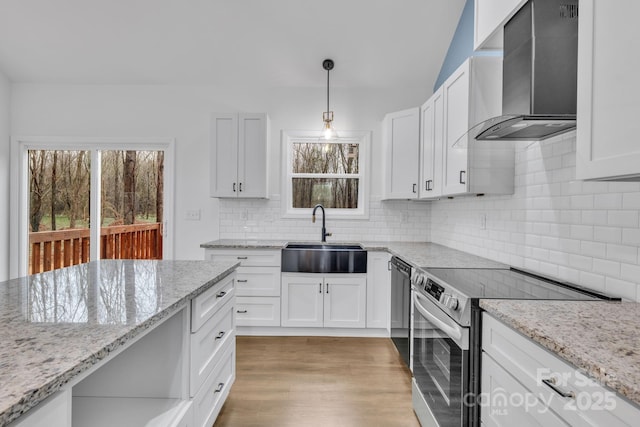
<point>525,384</point>
<point>258,311</point>
<point>257,285</point>
<point>378,289</point>
<point>331,301</point>
<point>177,374</point>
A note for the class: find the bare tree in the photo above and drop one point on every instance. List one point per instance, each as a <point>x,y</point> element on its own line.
<point>37,188</point>
<point>160,186</point>
<point>130,187</point>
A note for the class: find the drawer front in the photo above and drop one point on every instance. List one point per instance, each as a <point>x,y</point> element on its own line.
<point>496,411</point>
<point>247,258</point>
<point>206,343</point>
<point>257,311</point>
<point>204,306</point>
<point>214,392</point>
<point>258,282</point>
<point>530,364</point>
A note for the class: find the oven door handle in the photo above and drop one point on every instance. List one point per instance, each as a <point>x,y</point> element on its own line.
<point>454,332</point>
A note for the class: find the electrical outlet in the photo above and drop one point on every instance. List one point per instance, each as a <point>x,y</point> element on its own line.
<point>244,214</point>
<point>192,215</point>
<point>483,221</point>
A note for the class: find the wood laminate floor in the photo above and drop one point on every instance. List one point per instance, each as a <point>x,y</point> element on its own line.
<point>318,381</point>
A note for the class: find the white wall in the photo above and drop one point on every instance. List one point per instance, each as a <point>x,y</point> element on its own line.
<point>183,113</point>
<point>583,232</point>
<point>388,221</point>
<point>5,139</point>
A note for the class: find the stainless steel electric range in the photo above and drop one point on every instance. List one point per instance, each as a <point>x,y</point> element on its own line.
<point>446,333</point>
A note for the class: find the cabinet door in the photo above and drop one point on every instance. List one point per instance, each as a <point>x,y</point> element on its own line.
<point>223,148</point>
<point>431,140</point>
<point>302,300</point>
<point>490,17</point>
<point>608,90</point>
<point>456,126</point>
<point>402,140</point>
<point>378,289</point>
<point>345,301</point>
<point>252,155</point>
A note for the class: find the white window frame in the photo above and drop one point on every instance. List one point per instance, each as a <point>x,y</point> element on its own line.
<point>19,197</point>
<point>362,138</point>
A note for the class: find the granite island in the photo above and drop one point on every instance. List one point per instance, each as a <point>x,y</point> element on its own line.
<point>116,329</point>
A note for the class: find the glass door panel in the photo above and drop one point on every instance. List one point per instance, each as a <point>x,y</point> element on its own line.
<point>58,208</point>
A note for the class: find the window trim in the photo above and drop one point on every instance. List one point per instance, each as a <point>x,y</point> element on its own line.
<point>362,138</point>
<point>19,199</point>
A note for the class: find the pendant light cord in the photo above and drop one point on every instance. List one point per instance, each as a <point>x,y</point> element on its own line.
<point>328,71</point>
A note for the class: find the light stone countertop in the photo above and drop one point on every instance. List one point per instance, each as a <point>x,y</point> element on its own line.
<point>600,338</point>
<point>56,325</point>
<point>417,254</point>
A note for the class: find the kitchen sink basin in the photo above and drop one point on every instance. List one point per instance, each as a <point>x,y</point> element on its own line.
<point>324,258</point>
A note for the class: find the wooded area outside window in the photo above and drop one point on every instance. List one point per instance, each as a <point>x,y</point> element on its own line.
<point>85,199</point>
<point>331,173</point>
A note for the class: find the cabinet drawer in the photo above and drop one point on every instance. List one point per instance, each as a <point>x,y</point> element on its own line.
<point>258,281</point>
<point>257,311</point>
<point>530,364</point>
<point>206,343</point>
<point>498,385</point>
<point>247,258</point>
<point>211,397</point>
<point>205,305</point>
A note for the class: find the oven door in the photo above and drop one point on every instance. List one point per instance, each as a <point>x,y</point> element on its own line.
<point>440,351</point>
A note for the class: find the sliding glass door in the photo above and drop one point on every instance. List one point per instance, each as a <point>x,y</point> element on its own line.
<point>80,200</point>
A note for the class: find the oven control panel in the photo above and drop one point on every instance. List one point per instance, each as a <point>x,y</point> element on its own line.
<point>433,289</point>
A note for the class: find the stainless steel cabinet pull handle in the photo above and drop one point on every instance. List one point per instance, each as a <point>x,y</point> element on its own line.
<point>242,280</point>
<point>241,311</point>
<point>220,335</point>
<point>551,383</point>
<point>220,294</point>
<point>219,389</point>
<point>428,185</point>
<point>234,187</point>
<point>240,187</point>
<point>414,188</point>
<point>327,288</point>
<point>242,257</point>
<point>461,173</point>
<point>319,288</point>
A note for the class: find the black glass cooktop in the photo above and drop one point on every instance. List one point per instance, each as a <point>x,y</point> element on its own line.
<point>508,284</point>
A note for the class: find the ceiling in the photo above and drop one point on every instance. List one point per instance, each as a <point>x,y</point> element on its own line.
<point>264,43</point>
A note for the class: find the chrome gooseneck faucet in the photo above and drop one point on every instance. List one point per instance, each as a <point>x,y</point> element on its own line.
<point>313,219</point>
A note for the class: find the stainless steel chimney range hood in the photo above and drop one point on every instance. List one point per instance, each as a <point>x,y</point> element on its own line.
<point>539,88</point>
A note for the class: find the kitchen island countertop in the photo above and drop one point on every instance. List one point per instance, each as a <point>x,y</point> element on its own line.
<point>600,338</point>
<point>56,325</point>
<point>418,254</point>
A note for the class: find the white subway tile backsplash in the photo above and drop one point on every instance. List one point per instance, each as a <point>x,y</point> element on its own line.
<point>622,253</point>
<point>627,218</point>
<point>586,232</point>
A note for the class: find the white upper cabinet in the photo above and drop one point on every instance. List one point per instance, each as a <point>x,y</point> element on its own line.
<point>489,19</point>
<point>239,155</point>
<point>431,137</point>
<point>472,94</point>
<point>608,91</point>
<point>402,141</point>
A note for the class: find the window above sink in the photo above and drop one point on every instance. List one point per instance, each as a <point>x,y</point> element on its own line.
<point>333,173</point>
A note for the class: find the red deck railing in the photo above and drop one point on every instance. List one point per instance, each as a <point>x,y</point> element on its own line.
<point>50,250</point>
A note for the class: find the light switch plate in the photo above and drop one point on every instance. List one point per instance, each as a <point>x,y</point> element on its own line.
<point>192,215</point>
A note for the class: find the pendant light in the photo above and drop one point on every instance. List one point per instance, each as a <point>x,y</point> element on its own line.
<point>328,131</point>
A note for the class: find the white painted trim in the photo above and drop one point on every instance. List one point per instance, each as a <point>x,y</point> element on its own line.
<point>363,138</point>
<point>18,237</point>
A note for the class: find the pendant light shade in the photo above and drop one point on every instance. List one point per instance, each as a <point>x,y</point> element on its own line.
<point>328,131</point>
